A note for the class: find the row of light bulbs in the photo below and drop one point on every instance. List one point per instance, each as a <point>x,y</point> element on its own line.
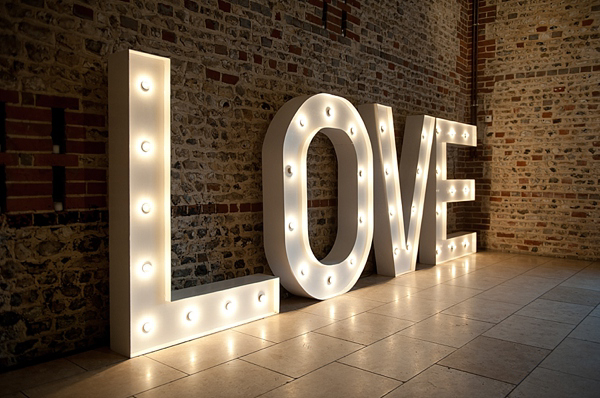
<point>192,316</point>
<point>452,133</point>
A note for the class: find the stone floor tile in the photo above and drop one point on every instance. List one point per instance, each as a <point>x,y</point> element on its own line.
<point>552,272</point>
<point>556,311</point>
<point>566,263</point>
<point>336,380</point>
<point>284,326</point>
<point>546,383</point>
<point>398,357</point>
<point>98,358</point>
<point>341,307</point>
<point>475,280</point>
<point>497,359</point>
<point>583,280</point>
<point>411,308</point>
<point>504,271</point>
<point>510,294</point>
<point>37,375</point>
<point>203,353</point>
<point>365,328</point>
<point>530,331</point>
<point>302,354</point>
<point>294,303</point>
<point>449,330</point>
<point>529,260</point>
<point>596,312</point>
<point>384,293</point>
<point>533,283</point>
<point>419,280</point>
<point>483,310</point>
<point>442,382</point>
<point>576,357</point>
<point>447,293</point>
<point>588,329</point>
<point>573,295</point>
<point>121,380</point>
<point>229,380</point>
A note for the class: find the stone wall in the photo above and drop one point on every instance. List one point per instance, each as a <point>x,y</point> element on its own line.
<point>234,64</point>
<point>538,165</point>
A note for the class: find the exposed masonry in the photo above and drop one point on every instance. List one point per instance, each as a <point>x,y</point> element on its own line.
<point>538,163</point>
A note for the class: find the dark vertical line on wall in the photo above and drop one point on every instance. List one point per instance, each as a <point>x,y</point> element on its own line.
<point>58,187</point>
<point>3,193</point>
<point>344,22</point>
<point>2,126</point>
<point>324,18</point>
<point>59,137</point>
<point>475,34</point>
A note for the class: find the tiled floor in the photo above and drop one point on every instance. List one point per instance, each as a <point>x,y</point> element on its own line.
<point>488,325</point>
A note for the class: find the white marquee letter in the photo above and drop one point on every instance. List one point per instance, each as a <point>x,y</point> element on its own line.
<point>144,316</point>
<point>398,222</point>
<point>285,196</point>
<point>440,191</point>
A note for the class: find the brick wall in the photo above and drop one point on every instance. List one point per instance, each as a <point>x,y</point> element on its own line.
<point>538,163</point>
<point>234,64</point>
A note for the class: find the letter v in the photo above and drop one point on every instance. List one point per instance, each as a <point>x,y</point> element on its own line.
<point>397,241</point>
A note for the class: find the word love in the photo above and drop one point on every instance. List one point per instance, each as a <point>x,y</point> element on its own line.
<point>146,315</point>
<point>371,206</point>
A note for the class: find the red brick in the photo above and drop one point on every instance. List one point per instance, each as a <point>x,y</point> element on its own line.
<point>229,79</point>
<point>213,74</point>
<point>9,159</point>
<point>295,49</point>
<point>222,208</point>
<point>245,207</point>
<point>276,33</point>
<point>28,174</point>
<point>28,189</point>
<point>84,119</point>
<point>96,188</point>
<point>86,147</point>
<point>30,129</point>
<point>75,188</point>
<point>75,132</point>
<point>85,174</point>
<point>53,101</point>
<point>29,204</point>
<point>257,59</point>
<point>29,145</point>
<point>224,6</point>
<point>587,22</point>
<point>28,113</point>
<point>9,96</point>
<point>504,235</point>
<point>233,208</point>
<point>50,159</point>
<point>579,214</point>
<point>85,202</point>
<point>256,207</point>
<point>169,36</point>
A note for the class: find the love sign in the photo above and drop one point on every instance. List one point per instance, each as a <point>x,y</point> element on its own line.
<point>145,315</point>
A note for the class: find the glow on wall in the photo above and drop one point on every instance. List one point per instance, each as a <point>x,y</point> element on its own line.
<point>286,239</point>
<point>144,315</point>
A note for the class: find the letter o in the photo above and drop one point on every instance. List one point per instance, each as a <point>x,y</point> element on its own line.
<point>284,154</point>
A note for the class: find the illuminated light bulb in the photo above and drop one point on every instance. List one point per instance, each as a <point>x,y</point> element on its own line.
<point>351,262</point>
<point>413,209</point>
<point>423,135</point>
<point>147,327</point>
<point>303,271</point>
<point>382,128</point>
<point>360,219</point>
<point>408,247</point>
<point>146,146</point>
<point>146,208</point>
<point>289,170</point>
<point>438,130</point>
<point>145,85</point>
<point>452,191</point>
<point>191,316</point>
<point>391,211</point>
<point>360,173</point>
<point>329,112</point>
<point>229,306</point>
<point>418,171</point>
<point>292,225</point>
<point>452,133</point>
<point>437,251</point>
<point>387,171</point>
<point>396,251</point>
<point>147,267</point>
<point>466,190</point>
<point>437,171</point>
<point>329,280</point>
<point>451,246</point>
<point>262,298</point>
<point>465,135</point>
<point>302,122</point>
<point>437,211</point>
<point>352,130</point>
<point>466,244</point>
